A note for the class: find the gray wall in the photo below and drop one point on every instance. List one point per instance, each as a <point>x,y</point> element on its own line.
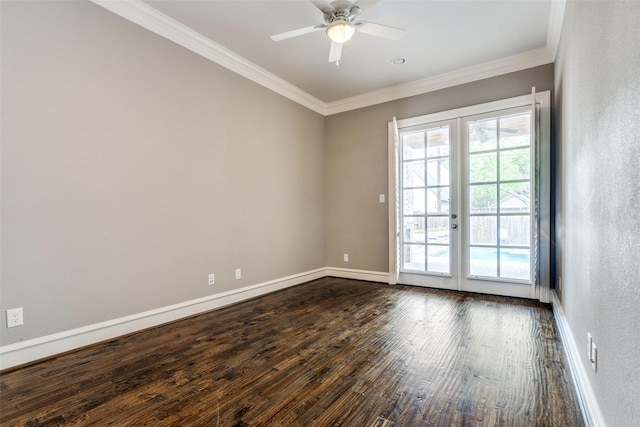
<point>598,206</point>
<point>132,168</point>
<point>356,163</point>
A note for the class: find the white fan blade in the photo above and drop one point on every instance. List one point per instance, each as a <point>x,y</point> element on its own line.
<point>365,4</point>
<point>328,8</point>
<point>336,52</point>
<point>380,30</point>
<point>324,6</point>
<point>341,4</point>
<point>298,32</point>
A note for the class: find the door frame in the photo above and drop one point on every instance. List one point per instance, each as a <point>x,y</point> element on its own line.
<point>542,131</point>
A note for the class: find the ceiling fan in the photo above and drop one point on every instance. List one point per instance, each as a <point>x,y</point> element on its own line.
<point>340,25</point>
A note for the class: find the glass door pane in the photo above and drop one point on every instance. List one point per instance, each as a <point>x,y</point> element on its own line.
<point>426,178</point>
<point>498,213</point>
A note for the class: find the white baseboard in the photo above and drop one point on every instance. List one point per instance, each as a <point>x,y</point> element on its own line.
<point>39,348</point>
<point>348,273</point>
<point>586,397</point>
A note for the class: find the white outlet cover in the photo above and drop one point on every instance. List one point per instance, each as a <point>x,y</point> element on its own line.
<point>346,257</point>
<point>212,279</point>
<point>238,273</point>
<point>14,317</point>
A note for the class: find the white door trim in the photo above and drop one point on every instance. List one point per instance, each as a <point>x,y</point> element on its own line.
<point>543,100</point>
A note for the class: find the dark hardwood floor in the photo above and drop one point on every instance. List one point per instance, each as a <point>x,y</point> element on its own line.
<point>331,352</point>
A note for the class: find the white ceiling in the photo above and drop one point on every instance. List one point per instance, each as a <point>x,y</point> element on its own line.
<point>442,37</point>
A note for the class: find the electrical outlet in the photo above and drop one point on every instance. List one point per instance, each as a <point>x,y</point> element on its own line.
<point>212,279</point>
<point>345,257</point>
<point>238,273</point>
<point>381,198</point>
<point>14,317</point>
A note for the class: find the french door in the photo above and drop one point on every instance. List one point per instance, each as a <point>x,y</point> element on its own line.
<point>428,187</point>
<point>467,203</point>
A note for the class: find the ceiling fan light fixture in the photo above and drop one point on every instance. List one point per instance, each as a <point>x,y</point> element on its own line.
<point>341,31</point>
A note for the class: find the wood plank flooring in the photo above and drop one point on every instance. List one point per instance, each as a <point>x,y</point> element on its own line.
<point>332,352</point>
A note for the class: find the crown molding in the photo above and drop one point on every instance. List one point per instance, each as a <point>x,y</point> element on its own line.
<point>521,61</point>
<point>155,21</point>
<point>556,18</point>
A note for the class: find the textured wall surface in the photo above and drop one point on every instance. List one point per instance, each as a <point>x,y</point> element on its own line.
<point>598,130</point>
<point>132,168</point>
<point>356,162</point>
